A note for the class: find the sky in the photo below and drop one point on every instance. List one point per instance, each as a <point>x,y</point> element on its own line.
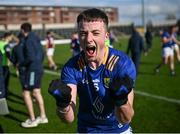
<point>129,10</point>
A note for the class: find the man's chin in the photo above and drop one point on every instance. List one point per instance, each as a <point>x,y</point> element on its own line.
<point>90,58</point>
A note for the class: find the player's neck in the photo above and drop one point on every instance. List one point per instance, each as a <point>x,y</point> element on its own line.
<point>100,60</point>
<point>94,65</point>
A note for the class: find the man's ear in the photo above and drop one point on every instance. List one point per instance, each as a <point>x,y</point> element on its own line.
<point>107,35</point>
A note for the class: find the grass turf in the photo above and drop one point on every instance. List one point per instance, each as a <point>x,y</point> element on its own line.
<point>151,115</point>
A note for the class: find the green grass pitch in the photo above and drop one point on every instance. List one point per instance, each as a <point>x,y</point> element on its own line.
<point>156,103</point>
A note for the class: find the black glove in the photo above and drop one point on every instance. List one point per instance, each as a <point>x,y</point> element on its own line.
<point>120,88</point>
<point>61,92</point>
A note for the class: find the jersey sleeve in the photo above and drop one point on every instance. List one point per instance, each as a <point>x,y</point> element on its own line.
<point>127,68</point>
<point>68,74</point>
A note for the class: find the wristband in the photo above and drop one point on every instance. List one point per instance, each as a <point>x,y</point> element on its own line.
<point>64,111</point>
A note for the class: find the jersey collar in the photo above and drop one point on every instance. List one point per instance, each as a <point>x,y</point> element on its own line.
<point>106,55</point>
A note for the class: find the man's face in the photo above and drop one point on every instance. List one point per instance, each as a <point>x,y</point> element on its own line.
<point>23,33</point>
<point>92,36</point>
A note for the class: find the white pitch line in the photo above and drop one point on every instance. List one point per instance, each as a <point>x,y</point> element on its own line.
<point>137,92</point>
<point>158,97</point>
<point>52,72</point>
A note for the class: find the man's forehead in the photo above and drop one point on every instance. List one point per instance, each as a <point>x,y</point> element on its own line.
<point>91,23</point>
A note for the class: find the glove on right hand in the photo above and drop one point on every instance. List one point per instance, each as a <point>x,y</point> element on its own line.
<point>120,88</point>
<point>61,92</point>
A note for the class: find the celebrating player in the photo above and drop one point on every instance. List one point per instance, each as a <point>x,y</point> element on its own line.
<point>167,53</point>
<point>102,77</point>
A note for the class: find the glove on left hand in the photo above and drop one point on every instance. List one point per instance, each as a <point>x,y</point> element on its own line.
<point>61,92</point>
<point>120,88</point>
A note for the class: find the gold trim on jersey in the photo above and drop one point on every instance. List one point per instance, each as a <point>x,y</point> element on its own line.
<point>106,55</point>
<point>111,62</point>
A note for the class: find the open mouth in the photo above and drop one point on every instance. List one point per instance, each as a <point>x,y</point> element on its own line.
<point>90,50</point>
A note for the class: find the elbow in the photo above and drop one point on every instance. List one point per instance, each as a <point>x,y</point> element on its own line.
<point>125,117</point>
<point>69,120</point>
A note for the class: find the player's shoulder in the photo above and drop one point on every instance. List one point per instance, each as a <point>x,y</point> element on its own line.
<point>120,63</point>
<point>74,60</point>
<point>120,54</point>
<point>165,34</point>
<point>32,37</point>
<point>121,58</point>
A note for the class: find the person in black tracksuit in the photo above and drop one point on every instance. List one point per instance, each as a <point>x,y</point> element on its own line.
<point>33,62</point>
<point>149,38</point>
<point>136,46</point>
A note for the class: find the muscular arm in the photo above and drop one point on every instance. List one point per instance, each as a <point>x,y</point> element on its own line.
<point>46,46</point>
<point>165,40</point>
<point>68,114</point>
<point>175,40</point>
<point>125,112</point>
<point>53,44</point>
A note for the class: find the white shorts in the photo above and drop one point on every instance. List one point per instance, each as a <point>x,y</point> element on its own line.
<point>176,47</point>
<point>128,131</point>
<point>167,51</point>
<point>50,52</point>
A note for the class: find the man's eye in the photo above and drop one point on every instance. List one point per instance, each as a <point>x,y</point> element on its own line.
<point>96,34</point>
<point>83,34</point>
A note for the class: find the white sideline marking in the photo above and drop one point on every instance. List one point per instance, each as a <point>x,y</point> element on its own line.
<point>176,101</point>
<point>58,42</point>
<point>158,97</point>
<point>52,72</point>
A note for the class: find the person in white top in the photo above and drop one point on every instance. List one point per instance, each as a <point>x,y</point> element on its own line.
<point>50,47</point>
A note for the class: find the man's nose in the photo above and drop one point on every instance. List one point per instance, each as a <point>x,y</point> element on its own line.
<point>89,37</point>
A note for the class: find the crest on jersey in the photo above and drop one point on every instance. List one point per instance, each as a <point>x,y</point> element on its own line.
<point>106,82</point>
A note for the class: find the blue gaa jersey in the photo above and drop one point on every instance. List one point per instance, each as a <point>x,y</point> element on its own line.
<point>96,107</point>
<point>169,43</point>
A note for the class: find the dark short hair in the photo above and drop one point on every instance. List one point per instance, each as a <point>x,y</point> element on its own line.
<point>27,27</point>
<point>93,14</point>
<point>48,32</point>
